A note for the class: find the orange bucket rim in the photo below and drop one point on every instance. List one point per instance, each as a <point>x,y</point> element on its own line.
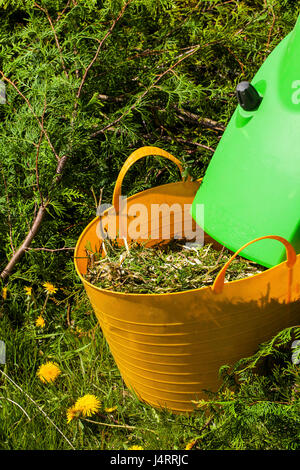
<point>218,285</point>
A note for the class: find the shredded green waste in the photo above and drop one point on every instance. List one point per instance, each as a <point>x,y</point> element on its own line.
<point>172,267</point>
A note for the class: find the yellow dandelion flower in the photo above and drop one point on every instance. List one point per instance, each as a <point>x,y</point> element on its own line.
<point>72,413</point>
<point>49,288</point>
<point>40,322</point>
<point>87,405</point>
<point>4,293</point>
<point>135,448</point>
<point>190,445</point>
<point>110,410</point>
<point>28,290</point>
<point>48,372</point>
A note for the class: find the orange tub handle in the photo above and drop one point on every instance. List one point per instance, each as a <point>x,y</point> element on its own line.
<point>134,157</point>
<point>218,285</point>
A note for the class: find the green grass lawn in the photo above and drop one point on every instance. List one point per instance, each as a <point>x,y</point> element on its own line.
<point>33,414</point>
<point>77,345</point>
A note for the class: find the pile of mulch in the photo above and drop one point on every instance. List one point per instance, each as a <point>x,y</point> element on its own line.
<point>173,267</point>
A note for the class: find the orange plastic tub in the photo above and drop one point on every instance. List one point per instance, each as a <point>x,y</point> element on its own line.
<point>169,347</point>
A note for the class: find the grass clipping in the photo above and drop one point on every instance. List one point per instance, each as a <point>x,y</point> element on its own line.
<point>172,267</point>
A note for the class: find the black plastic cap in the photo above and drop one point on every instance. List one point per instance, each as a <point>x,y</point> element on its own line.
<point>247,96</point>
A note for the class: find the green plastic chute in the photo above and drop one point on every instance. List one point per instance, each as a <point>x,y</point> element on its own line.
<point>252,184</point>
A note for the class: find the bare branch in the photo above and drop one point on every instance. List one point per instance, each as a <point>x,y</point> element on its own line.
<point>51,250</point>
<point>44,10</point>
<point>26,243</point>
<point>8,210</point>
<point>98,50</point>
<point>188,142</point>
<point>63,12</point>
<point>236,58</point>
<point>32,110</point>
<point>202,121</point>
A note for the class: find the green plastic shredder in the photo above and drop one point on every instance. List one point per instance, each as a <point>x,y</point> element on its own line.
<point>252,185</point>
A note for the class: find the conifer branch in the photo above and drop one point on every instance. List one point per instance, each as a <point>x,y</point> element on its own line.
<point>61,161</point>
<point>32,110</point>
<point>37,156</point>
<point>142,96</point>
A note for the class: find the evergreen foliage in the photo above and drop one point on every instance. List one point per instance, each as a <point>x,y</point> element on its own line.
<point>161,71</point>
<point>258,405</point>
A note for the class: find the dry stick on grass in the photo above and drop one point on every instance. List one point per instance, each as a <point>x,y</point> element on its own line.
<point>124,426</point>
<point>17,404</point>
<point>38,407</point>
